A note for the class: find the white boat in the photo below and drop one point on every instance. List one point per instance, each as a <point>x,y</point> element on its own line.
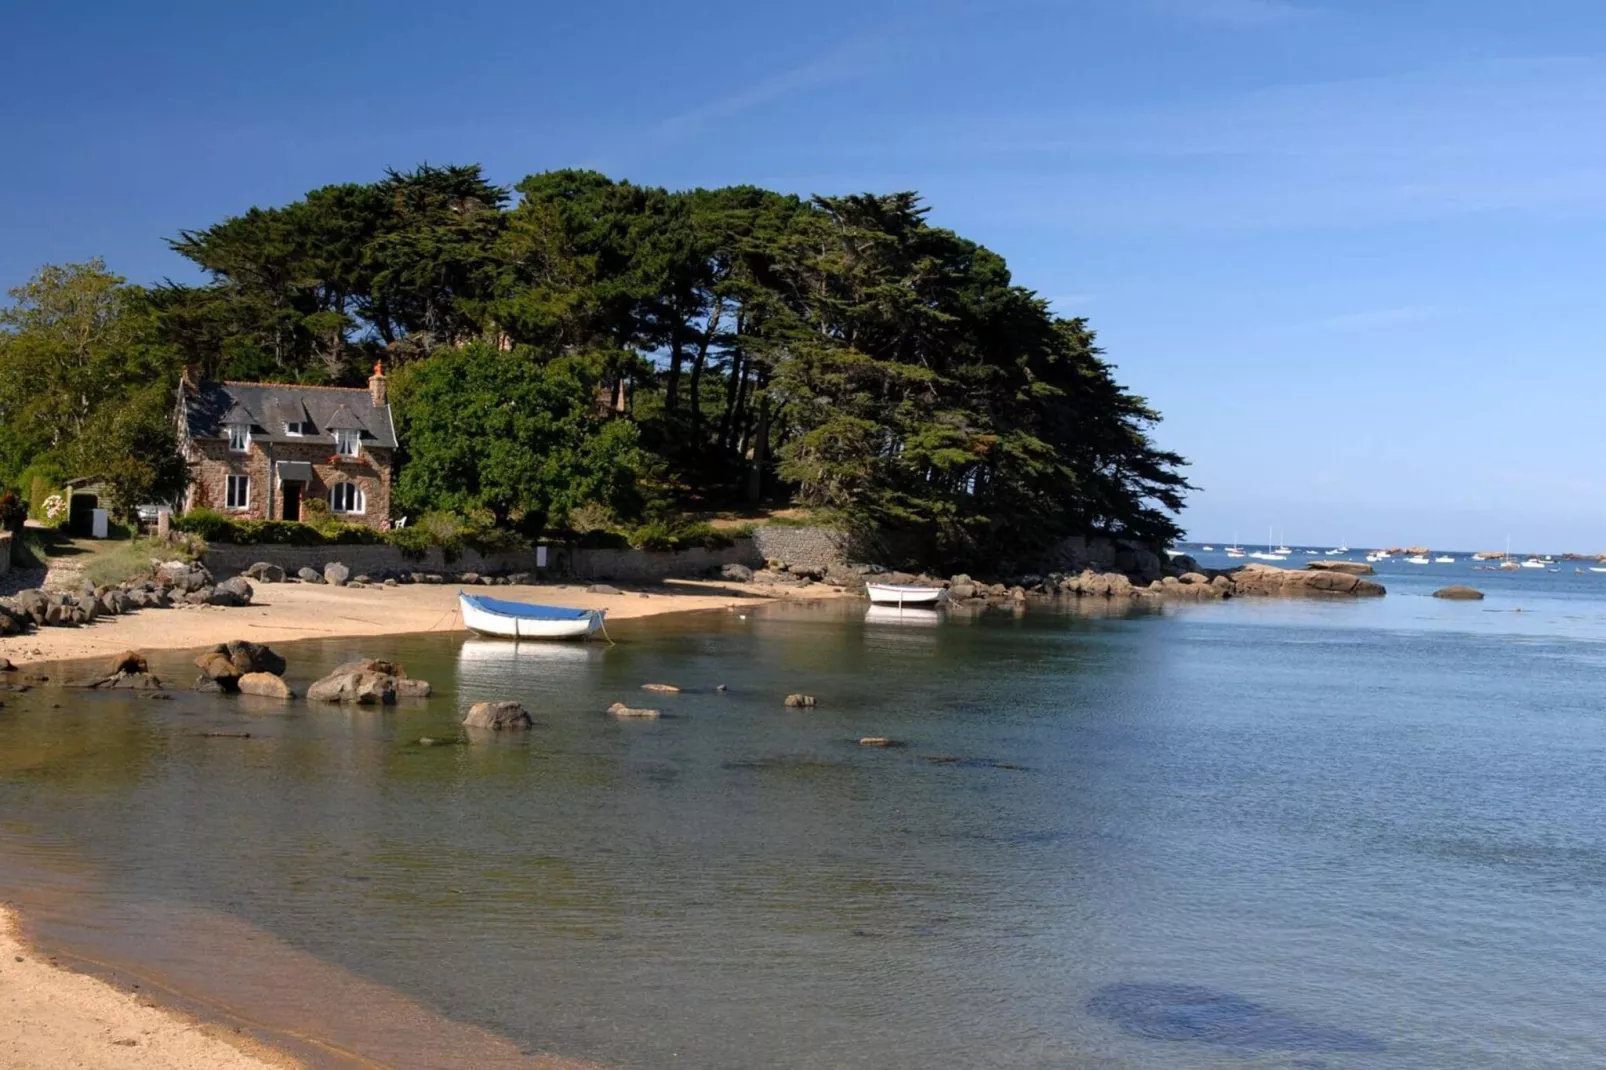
<point>525,620</point>
<point>1312,553</point>
<point>1207,548</point>
<point>1416,559</point>
<point>1235,552</point>
<point>1592,568</point>
<point>904,594</point>
<point>1444,559</point>
<point>1532,563</point>
<point>1267,555</point>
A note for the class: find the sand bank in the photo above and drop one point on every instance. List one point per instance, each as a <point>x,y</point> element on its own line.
<point>51,1018</point>
<point>286,611</point>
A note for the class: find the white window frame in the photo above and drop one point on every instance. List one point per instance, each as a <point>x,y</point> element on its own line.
<point>239,438</point>
<point>296,430</point>
<point>344,438</point>
<point>359,498</point>
<point>229,496</point>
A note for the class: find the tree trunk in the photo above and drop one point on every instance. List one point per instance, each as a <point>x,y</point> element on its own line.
<point>761,441</point>
<point>672,388</point>
<point>697,364</point>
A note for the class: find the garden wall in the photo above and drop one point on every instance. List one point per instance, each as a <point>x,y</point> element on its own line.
<point>562,561</point>
<point>5,552</point>
<point>814,547</point>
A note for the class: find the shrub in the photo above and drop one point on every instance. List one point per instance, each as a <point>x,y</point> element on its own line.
<point>668,534</point>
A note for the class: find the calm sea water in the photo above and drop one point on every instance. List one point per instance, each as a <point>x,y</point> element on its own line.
<point>1256,834</point>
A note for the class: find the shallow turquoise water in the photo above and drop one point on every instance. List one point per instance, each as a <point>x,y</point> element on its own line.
<point>1374,821</point>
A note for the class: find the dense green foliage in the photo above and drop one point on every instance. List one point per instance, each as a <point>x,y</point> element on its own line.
<point>86,387</point>
<point>581,346</point>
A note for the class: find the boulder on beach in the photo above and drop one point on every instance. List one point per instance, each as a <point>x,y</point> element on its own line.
<point>736,572</point>
<point>6,666</point>
<point>1459,593</point>
<point>232,592</point>
<point>336,574</point>
<point>601,588</point>
<point>308,574</point>
<point>800,702</point>
<point>265,572</point>
<point>407,688</point>
<point>264,684</point>
<point>619,709</point>
<point>498,716</point>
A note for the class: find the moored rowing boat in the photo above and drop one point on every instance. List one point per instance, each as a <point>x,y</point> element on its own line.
<point>526,620</point>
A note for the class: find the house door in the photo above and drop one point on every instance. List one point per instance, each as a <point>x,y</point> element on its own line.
<point>292,501</point>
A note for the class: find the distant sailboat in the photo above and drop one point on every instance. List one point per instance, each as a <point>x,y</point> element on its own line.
<point>1234,550</point>
<point>1416,559</point>
<point>1280,554</point>
<point>1444,559</point>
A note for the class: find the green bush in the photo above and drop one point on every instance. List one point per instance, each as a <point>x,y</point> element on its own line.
<point>678,535</point>
<point>213,526</point>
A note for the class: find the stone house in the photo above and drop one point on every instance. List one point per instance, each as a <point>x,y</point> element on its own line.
<point>263,450</point>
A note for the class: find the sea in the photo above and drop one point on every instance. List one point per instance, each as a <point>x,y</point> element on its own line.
<point>1250,834</point>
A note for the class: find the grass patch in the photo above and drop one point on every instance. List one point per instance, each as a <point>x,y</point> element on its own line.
<point>109,564</point>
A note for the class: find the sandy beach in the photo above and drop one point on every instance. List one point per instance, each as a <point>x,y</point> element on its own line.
<point>282,612</point>
<point>51,1018</point>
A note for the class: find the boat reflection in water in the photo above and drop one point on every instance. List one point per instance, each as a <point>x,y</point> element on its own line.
<point>901,615</point>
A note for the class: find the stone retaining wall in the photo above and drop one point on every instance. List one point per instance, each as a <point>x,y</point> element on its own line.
<point>644,566</point>
<point>5,552</point>
<point>814,547</point>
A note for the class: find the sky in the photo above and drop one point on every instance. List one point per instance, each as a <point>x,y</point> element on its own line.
<point>1350,249</point>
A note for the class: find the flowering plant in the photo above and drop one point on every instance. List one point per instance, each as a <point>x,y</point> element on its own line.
<point>55,507</point>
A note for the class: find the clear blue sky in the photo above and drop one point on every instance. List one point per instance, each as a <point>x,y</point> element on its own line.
<point>1352,249</point>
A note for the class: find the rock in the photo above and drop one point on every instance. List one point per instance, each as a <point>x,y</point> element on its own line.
<point>517,579</point>
<point>216,665</point>
<point>6,666</point>
<point>265,572</point>
<point>362,580</point>
<point>336,574</point>
<point>469,578</point>
<point>265,684</point>
<point>601,588</point>
<point>497,716</point>
<point>406,688</point>
<point>1192,578</point>
<point>205,685</point>
<point>232,592</point>
<point>961,591</point>
<point>619,709</point>
<point>309,575</point>
<point>386,668</point>
<point>391,582</point>
<point>127,661</point>
<point>184,575</point>
<point>800,702</point>
<point>248,657</point>
<point>1267,580</point>
<point>432,577</point>
<point>1459,593</point>
<point>122,681</point>
<point>359,687</point>
<point>739,573</point>
<point>200,596</point>
<point>1354,568</point>
<point>670,689</point>
<point>877,741</point>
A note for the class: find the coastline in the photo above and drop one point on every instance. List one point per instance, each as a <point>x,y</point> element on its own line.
<point>283,612</point>
<point>53,1017</point>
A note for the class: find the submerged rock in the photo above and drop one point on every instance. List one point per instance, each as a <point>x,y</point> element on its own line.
<point>1459,593</point>
<point>619,709</point>
<point>498,716</point>
<point>1354,568</point>
<point>668,689</point>
<point>127,661</point>
<point>359,687</point>
<point>1162,1011</point>
<point>800,702</point>
<point>406,688</point>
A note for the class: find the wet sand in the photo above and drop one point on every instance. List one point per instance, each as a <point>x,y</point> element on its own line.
<point>285,611</point>
<point>50,1017</point>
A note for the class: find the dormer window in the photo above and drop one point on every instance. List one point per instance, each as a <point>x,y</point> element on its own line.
<point>239,438</point>
<point>298,430</point>
<point>347,443</point>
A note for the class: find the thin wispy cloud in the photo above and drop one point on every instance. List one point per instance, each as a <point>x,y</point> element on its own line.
<point>1510,136</point>
<point>848,61</point>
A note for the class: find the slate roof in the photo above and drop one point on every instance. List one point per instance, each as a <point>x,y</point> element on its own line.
<point>272,405</point>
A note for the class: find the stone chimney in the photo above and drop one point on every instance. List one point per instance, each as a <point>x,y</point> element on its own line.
<point>190,379</point>
<point>376,385</point>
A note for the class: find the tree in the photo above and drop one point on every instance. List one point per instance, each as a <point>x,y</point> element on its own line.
<point>85,384</point>
<point>502,433</point>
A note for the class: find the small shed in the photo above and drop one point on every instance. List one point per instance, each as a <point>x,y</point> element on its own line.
<point>84,496</point>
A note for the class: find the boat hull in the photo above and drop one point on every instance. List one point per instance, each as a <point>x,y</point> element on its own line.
<point>893,594</point>
<point>485,621</point>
